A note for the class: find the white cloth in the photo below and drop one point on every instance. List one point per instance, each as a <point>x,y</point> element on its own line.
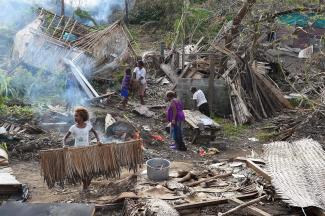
<point>81,135</point>
<point>199,97</point>
<point>140,73</point>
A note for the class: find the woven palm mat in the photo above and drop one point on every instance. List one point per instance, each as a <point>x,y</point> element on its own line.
<point>298,172</point>
<point>74,164</point>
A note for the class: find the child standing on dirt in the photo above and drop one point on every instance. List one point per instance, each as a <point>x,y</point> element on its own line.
<point>80,132</point>
<point>140,76</point>
<point>126,87</point>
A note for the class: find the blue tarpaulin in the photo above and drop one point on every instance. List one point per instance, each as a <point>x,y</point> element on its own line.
<point>302,20</point>
<point>69,37</point>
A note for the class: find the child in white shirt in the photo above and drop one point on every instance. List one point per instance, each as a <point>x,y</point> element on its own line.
<point>80,132</point>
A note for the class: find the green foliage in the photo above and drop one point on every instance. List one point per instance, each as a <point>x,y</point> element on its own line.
<point>301,102</point>
<point>41,86</point>
<point>165,12</point>
<point>265,136</point>
<point>229,129</point>
<point>197,1</point>
<point>19,112</point>
<point>84,15</point>
<point>4,146</point>
<point>4,82</point>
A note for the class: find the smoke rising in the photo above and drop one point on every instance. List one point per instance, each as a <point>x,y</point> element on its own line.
<point>40,77</point>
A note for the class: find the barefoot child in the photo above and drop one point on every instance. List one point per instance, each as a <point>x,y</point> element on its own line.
<point>125,87</point>
<point>80,132</point>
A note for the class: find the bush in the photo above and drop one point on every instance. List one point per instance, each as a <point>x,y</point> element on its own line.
<point>163,11</point>
<point>19,112</point>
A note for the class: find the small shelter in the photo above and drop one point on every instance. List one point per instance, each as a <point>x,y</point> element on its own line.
<point>50,38</point>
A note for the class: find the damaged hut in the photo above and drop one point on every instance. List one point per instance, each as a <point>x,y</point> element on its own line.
<point>50,38</point>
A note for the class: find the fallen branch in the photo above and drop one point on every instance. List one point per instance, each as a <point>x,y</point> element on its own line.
<point>209,179</point>
<point>241,206</point>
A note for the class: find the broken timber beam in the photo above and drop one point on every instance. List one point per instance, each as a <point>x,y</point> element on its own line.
<point>256,168</point>
<point>169,72</point>
<point>208,179</point>
<point>241,206</point>
<point>212,202</point>
<point>251,209</point>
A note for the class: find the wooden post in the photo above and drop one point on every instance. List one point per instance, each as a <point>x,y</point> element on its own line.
<point>62,7</point>
<point>126,18</point>
<point>184,37</point>
<point>183,52</point>
<point>162,49</point>
<point>211,89</point>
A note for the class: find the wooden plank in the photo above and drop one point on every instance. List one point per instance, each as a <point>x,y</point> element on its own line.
<point>258,170</point>
<point>17,129</point>
<point>169,72</point>
<point>87,83</point>
<point>255,160</point>
<point>242,206</point>
<point>76,74</point>
<point>251,209</point>
<point>190,122</point>
<point>208,179</point>
<point>11,128</point>
<point>212,202</point>
<point>50,209</point>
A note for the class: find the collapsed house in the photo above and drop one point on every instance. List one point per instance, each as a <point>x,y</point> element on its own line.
<point>247,72</point>
<point>49,39</point>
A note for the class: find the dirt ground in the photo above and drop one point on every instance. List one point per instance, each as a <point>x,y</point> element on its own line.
<point>27,169</point>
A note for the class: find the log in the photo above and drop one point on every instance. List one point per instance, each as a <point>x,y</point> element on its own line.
<point>209,179</point>
<point>251,209</point>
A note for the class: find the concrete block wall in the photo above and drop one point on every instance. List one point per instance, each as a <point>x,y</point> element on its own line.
<point>221,104</point>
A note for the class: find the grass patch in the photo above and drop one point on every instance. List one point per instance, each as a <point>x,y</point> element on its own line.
<point>229,129</point>
<point>266,136</point>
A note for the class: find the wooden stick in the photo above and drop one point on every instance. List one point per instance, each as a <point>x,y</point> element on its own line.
<point>212,202</point>
<point>251,209</point>
<point>208,179</point>
<point>241,206</point>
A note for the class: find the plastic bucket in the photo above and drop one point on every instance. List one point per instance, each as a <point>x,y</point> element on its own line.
<point>158,169</point>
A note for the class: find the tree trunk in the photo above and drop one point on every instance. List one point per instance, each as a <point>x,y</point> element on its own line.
<point>62,7</point>
<point>233,32</point>
<point>211,89</point>
<point>126,18</point>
